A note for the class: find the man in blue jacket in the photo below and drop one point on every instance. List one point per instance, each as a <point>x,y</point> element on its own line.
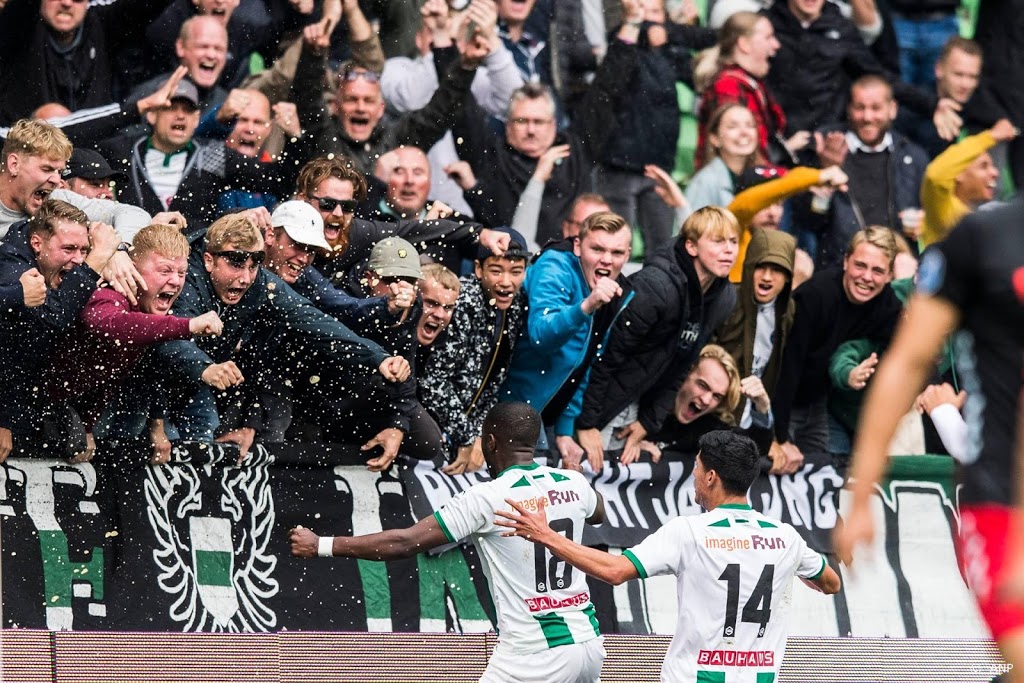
<point>575,290</point>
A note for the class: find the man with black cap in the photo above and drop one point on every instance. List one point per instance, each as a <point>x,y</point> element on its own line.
<point>169,170</point>
<point>464,374</point>
<point>89,174</point>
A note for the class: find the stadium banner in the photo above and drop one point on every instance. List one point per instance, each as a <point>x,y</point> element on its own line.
<point>200,545</point>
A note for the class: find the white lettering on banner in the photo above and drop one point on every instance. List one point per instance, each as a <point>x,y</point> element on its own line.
<point>63,579</point>
<point>824,482</point>
<point>640,473</point>
<point>678,495</point>
<point>795,491</point>
<point>618,512</point>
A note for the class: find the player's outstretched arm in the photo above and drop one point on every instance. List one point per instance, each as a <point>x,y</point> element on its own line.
<point>388,545</point>
<point>899,379</point>
<point>533,526</point>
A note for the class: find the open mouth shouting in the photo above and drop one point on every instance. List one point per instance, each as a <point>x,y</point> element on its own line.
<point>427,331</point>
<point>247,143</point>
<point>206,73</point>
<point>502,298</point>
<point>359,126</point>
<point>38,197</point>
<point>690,412</point>
<point>165,299</point>
<point>291,270</point>
<point>232,295</point>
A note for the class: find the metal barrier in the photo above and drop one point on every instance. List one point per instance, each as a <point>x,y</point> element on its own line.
<point>311,657</point>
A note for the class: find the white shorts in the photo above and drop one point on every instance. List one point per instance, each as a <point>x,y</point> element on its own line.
<point>576,663</point>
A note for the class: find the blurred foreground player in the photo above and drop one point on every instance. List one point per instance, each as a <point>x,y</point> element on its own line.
<point>971,283</point>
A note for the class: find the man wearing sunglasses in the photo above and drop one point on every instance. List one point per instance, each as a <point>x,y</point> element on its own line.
<point>334,187</point>
<point>356,128</point>
<point>225,275</point>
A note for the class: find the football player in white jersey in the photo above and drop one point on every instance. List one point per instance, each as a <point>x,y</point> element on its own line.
<point>546,621</point>
<point>732,566</point>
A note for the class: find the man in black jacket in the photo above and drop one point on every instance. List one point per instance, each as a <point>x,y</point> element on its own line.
<point>820,54</point>
<point>884,169</point>
<point>504,166</point>
<point>225,274</point>
<point>832,307</point>
<point>170,170</point>
<point>358,129</point>
<point>62,51</point>
<point>681,297</point>
<point>49,267</point>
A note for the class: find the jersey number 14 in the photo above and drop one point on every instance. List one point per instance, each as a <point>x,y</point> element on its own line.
<point>757,609</point>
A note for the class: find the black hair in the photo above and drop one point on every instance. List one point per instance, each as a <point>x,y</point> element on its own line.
<point>733,457</point>
<point>514,425</point>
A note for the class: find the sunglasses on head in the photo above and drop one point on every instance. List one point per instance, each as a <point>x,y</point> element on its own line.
<point>351,75</point>
<point>239,259</point>
<point>328,204</point>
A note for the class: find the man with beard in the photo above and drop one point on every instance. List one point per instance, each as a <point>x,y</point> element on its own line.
<point>92,364</point>
<point>884,171</point>
<point>49,268</point>
<point>464,375</point>
<point>575,291</point>
<point>334,187</point>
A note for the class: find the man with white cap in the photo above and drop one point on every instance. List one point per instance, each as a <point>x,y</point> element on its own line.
<point>292,241</point>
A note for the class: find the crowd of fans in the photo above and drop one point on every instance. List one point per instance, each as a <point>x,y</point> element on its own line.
<point>246,220</point>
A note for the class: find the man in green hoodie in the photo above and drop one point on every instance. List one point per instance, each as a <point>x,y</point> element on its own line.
<point>755,333</point>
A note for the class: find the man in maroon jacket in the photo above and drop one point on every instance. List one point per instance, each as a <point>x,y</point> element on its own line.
<point>113,334</point>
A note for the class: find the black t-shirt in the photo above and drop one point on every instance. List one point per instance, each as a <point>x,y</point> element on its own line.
<point>979,268</point>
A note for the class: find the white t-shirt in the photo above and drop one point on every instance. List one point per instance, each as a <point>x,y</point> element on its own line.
<point>733,566</point>
<point>542,602</point>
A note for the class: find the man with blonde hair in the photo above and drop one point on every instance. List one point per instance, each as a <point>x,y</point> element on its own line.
<point>35,155</point>
<point>113,334</point>
<point>225,274</point>
<point>832,307</point>
<point>680,298</point>
<point>49,268</point>
<point>576,290</point>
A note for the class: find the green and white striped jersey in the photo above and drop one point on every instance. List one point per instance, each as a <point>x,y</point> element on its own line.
<point>733,567</point>
<point>541,601</point>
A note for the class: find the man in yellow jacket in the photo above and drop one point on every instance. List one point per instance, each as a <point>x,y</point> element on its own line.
<point>960,180</point>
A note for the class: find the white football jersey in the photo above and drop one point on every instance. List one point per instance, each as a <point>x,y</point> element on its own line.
<point>541,601</point>
<point>733,566</point>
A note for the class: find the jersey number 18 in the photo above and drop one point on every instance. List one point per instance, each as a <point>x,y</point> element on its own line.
<point>546,565</point>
